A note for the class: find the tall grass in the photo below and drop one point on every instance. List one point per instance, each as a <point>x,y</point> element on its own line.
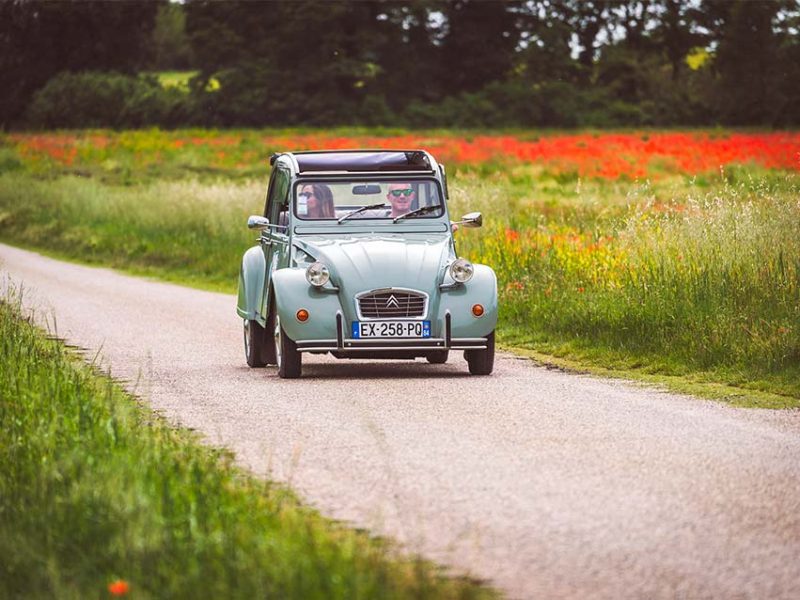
<point>184,230</point>
<point>683,275</point>
<point>94,488</point>
<point>699,280</point>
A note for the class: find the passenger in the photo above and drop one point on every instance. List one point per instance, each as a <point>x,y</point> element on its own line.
<point>319,201</point>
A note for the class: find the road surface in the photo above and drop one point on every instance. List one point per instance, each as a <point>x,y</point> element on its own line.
<point>546,484</point>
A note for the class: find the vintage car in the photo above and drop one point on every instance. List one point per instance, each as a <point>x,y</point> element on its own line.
<point>356,258</point>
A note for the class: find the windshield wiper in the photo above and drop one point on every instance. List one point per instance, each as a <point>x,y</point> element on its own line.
<point>361,210</point>
<point>420,211</point>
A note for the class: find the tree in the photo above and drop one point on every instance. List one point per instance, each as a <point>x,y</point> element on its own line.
<point>480,43</point>
<point>408,53</point>
<point>301,62</point>
<point>587,18</point>
<point>170,44</point>
<point>748,89</point>
<point>546,35</point>
<point>787,28</point>
<point>39,39</point>
<point>677,33</point>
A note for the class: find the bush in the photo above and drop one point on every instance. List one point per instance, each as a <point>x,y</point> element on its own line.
<point>92,99</point>
<point>502,104</point>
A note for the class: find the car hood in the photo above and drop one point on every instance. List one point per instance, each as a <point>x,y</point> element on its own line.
<point>364,262</point>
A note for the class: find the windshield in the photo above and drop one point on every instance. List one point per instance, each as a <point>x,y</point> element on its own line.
<point>369,199</point>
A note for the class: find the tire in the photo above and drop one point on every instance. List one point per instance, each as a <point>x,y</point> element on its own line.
<point>437,358</point>
<point>254,338</point>
<point>289,360</point>
<point>481,362</point>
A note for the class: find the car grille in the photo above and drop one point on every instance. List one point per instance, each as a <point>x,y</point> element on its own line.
<point>392,305</point>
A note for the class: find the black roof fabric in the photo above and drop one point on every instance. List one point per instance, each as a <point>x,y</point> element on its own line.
<point>376,160</point>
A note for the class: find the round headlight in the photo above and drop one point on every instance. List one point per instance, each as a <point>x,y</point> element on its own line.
<point>317,274</point>
<point>461,270</point>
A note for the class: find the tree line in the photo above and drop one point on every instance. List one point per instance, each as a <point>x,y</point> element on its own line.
<point>418,63</point>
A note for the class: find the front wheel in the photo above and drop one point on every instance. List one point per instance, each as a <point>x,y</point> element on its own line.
<point>288,359</point>
<point>481,362</point>
<point>254,338</point>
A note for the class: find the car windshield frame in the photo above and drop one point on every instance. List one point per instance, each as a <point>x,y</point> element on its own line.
<point>344,209</point>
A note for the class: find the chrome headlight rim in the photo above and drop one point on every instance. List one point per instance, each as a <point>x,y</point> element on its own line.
<point>461,270</point>
<point>317,274</point>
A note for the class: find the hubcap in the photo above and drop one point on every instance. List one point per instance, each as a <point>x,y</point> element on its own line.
<point>246,338</point>
<point>277,334</point>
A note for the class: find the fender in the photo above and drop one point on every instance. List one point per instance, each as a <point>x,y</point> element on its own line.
<point>292,292</point>
<point>482,288</point>
<point>251,285</point>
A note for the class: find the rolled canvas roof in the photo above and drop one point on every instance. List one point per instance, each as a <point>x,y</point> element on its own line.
<point>363,160</point>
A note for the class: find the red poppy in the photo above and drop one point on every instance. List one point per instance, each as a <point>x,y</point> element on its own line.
<point>120,587</point>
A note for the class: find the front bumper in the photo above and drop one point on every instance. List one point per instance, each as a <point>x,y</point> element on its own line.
<point>328,329</point>
<point>399,344</point>
<point>343,343</point>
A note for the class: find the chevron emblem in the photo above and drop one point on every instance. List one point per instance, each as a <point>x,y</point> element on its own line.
<point>392,302</point>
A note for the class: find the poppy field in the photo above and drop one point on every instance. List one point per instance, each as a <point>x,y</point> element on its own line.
<point>606,156</point>
<point>662,253</point>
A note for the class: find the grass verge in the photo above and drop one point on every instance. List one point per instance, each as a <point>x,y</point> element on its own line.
<point>736,391</point>
<point>95,488</point>
<point>686,283</point>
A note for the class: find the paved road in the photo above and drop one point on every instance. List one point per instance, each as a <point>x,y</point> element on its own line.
<point>545,483</point>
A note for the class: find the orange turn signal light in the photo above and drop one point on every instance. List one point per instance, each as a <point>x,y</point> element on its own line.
<point>477,310</point>
<point>302,315</point>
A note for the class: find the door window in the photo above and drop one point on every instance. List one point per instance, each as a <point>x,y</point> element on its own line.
<point>277,198</point>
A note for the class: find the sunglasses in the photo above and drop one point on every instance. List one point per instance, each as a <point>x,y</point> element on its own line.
<point>307,195</point>
<point>398,193</point>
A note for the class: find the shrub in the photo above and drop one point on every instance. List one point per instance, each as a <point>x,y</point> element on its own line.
<point>93,99</point>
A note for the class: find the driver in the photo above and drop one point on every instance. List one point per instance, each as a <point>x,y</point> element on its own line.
<point>401,196</point>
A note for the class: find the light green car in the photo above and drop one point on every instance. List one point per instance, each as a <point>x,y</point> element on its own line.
<point>356,258</point>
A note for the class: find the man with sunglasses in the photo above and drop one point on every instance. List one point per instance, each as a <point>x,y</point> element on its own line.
<point>401,196</point>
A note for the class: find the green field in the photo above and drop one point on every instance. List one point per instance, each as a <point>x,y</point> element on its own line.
<point>95,488</point>
<point>180,80</point>
<point>175,79</point>
<point>690,280</point>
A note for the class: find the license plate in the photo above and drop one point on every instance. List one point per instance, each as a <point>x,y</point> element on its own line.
<point>391,329</point>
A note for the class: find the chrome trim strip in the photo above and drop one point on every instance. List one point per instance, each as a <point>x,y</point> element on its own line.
<point>368,344</point>
<point>386,348</point>
<point>400,343</point>
<point>430,339</point>
<point>389,290</point>
<point>318,349</point>
<point>399,339</point>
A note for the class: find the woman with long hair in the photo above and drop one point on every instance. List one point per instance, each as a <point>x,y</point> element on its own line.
<point>319,201</point>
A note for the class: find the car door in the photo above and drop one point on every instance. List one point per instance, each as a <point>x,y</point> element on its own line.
<point>274,240</point>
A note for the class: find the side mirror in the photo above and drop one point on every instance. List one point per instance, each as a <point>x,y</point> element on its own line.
<point>257,222</point>
<point>473,219</point>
